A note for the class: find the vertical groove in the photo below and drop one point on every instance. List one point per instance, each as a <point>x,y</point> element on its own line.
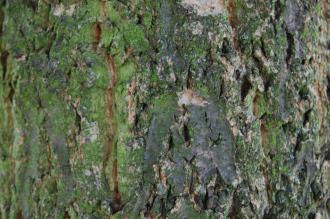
<point>111,143</point>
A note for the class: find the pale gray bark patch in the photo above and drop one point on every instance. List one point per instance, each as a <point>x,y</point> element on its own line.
<point>158,131</point>
<point>205,7</point>
<point>293,16</point>
<point>213,143</point>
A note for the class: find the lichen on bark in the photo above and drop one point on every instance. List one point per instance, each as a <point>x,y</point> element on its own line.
<point>164,109</point>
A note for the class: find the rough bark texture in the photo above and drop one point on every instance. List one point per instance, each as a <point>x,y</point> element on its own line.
<point>165,109</point>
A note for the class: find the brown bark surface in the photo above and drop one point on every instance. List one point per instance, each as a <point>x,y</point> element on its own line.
<point>164,109</point>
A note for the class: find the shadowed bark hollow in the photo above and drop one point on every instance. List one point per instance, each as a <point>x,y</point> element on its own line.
<point>164,109</point>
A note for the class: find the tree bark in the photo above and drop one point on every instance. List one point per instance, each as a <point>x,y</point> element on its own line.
<point>165,109</point>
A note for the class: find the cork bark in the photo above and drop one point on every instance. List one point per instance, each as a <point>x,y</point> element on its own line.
<point>164,109</point>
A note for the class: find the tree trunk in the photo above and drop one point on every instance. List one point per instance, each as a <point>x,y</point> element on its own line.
<point>165,109</point>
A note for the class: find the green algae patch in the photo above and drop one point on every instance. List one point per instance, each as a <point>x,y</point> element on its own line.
<point>259,105</point>
<point>132,33</point>
<point>126,71</point>
<point>165,102</point>
<point>135,37</point>
<point>272,135</point>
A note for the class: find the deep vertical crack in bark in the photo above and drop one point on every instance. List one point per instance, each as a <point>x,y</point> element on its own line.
<point>111,149</point>
<point>4,60</point>
<point>233,23</point>
<point>111,142</point>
